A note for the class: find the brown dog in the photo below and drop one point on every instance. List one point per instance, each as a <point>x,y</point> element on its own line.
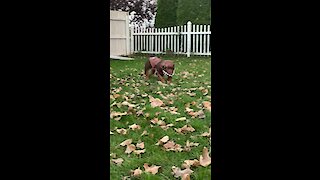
<point>161,67</point>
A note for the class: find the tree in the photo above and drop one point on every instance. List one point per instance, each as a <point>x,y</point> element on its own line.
<point>198,12</point>
<point>166,13</point>
<point>141,10</point>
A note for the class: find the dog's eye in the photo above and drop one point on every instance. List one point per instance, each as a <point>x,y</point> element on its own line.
<point>163,67</point>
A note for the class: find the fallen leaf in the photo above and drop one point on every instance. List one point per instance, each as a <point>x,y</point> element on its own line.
<point>136,172</point>
<point>154,120</point>
<point>188,145</point>
<point>207,105</point>
<point>169,145</point>
<point>140,112</point>
<point>181,119</point>
<point>113,155</point>
<point>152,169</point>
<point>115,114</point>
<point>161,123</point>
<point>130,148</point>
<point>116,96</point>
<point>139,151</point>
<point>189,163</point>
<point>185,177</point>
<point>125,178</point>
<point>205,134</point>
<point>188,109</point>
<point>205,159</point>
<point>140,145</point>
<point>177,172</point>
<point>111,133</point>
<point>163,140</point>
<point>117,161</point>
<point>144,133</point>
<point>155,102</point>
<point>134,126</point>
<point>184,129</point>
<point>117,118</point>
<point>122,131</point>
<point>125,103</point>
<point>126,142</point>
<point>201,114</point>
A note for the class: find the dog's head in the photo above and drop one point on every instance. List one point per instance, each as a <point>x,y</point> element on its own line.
<point>168,67</point>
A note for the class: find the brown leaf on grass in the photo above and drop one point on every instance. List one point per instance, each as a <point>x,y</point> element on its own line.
<point>139,151</point>
<point>152,169</point>
<point>144,95</point>
<point>201,114</point>
<point>169,145</point>
<point>185,129</point>
<point>154,120</point>
<point>204,91</point>
<point>117,161</point>
<point>207,105</point>
<point>125,178</point>
<point>205,134</point>
<point>115,114</point>
<point>189,163</point>
<point>155,102</point>
<point>185,177</point>
<point>163,140</point>
<point>144,133</point>
<point>165,127</point>
<point>191,94</point>
<point>161,123</point>
<point>205,159</point>
<point>147,115</point>
<point>116,96</point>
<point>122,131</point>
<point>140,145</point>
<point>188,145</point>
<point>136,172</point>
<point>189,110</point>
<point>113,155</point>
<point>177,172</point>
<point>181,119</point>
<point>126,142</point>
<point>130,148</point>
<point>140,112</point>
<point>172,146</point>
<point>125,103</point>
<point>134,126</point>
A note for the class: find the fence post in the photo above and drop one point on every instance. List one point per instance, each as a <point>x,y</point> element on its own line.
<point>132,40</point>
<point>188,38</point>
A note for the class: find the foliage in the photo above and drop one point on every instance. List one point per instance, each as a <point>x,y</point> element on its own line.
<point>198,12</point>
<point>141,9</point>
<point>166,13</point>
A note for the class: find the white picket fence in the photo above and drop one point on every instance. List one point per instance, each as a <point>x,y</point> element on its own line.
<point>188,39</point>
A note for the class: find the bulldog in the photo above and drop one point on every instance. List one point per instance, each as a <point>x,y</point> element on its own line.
<point>160,67</point>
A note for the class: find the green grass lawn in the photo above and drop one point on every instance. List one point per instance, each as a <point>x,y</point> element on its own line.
<point>191,86</point>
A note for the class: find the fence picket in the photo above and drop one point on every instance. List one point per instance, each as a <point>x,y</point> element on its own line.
<point>208,40</point>
<point>186,39</point>
<point>201,42</point>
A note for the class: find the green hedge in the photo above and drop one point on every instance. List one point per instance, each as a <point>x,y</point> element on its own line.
<point>198,12</point>
<point>166,13</point>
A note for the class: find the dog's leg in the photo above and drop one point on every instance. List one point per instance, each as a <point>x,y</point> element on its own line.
<point>147,68</point>
<point>161,78</point>
<point>169,79</point>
